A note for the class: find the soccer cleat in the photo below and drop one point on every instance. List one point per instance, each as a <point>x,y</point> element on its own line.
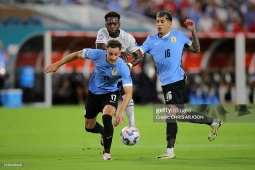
<point>102,141</point>
<point>166,156</point>
<point>107,157</point>
<point>214,130</point>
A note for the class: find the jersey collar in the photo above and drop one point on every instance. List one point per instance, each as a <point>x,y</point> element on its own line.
<point>166,34</point>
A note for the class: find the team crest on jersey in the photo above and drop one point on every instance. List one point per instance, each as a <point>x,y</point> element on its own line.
<point>100,37</point>
<point>173,39</point>
<point>114,71</point>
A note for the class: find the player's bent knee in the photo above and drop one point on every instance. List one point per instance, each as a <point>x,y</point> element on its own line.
<point>88,129</point>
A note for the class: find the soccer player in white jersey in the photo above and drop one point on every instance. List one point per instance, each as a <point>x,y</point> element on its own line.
<point>112,31</point>
<point>167,47</point>
<point>103,90</point>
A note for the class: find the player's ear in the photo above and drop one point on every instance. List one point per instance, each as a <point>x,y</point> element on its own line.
<point>169,23</point>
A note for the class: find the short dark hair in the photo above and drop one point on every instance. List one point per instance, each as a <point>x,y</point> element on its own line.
<point>165,14</point>
<point>112,14</point>
<point>114,44</point>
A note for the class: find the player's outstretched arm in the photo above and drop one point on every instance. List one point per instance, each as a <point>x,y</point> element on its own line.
<point>195,46</point>
<point>137,57</point>
<point>128,96</point>
<point>54,67</point>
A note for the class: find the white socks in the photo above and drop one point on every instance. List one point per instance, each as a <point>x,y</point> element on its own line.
<point>170,150</point>
<point>130,112</point>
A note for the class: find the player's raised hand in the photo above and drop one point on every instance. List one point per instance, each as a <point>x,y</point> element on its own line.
<point>51,68</point>
<point>190,24</point>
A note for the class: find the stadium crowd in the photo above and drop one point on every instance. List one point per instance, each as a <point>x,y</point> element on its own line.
<point>209,15</point>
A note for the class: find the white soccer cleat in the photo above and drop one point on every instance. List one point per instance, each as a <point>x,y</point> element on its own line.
<point>107,157</point>
<point>214,130</point>
<point>166,156</point>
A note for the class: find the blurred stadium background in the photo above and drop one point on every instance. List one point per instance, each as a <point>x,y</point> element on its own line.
<point>37,32</point>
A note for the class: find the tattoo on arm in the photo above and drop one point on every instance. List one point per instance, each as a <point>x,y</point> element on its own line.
<point>195,46</point>
<point>137,57</point>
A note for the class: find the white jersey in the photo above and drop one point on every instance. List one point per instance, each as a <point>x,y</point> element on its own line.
<point>127,40</point>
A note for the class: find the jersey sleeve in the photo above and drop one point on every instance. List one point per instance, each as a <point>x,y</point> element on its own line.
<point>146,45</point>
<point>133,46</point>
<point>186,40</point>
<point>101,36</point>
<point>126,77</point>
<point>91,54</point>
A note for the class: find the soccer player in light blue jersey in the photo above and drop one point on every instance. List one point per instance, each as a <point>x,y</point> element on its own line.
<point>167,47</point>
<point>103,91</point>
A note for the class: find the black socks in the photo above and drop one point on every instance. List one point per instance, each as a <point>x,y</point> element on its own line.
<point>171,131</point>
<point>107,133</point>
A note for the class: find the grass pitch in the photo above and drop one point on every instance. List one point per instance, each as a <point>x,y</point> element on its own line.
<point>54,138</point>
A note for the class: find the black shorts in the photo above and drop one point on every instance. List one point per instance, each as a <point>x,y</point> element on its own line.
<point>176,93</point>
<point>96,102</point>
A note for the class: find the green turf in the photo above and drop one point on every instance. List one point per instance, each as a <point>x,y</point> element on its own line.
<point>54,138</point>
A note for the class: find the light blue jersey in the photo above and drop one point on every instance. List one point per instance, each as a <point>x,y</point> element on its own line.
<point>105,76</point>
<point>167,53</point>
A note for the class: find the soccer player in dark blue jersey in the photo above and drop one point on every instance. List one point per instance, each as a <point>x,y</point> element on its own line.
<point>167,47</point>
<point>103,91</point>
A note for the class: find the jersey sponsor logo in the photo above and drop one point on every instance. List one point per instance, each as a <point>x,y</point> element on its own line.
<point>100,37</point>
<point>114,71</point>
<point>173,39</point>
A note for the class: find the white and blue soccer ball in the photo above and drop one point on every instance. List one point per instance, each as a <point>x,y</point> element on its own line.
<point>129,135</point>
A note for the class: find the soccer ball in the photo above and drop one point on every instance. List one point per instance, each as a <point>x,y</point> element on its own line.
<point>129,135</point>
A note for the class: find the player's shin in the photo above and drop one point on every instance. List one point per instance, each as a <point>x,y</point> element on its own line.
<point>107,132</point>
<point>171,131</point>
